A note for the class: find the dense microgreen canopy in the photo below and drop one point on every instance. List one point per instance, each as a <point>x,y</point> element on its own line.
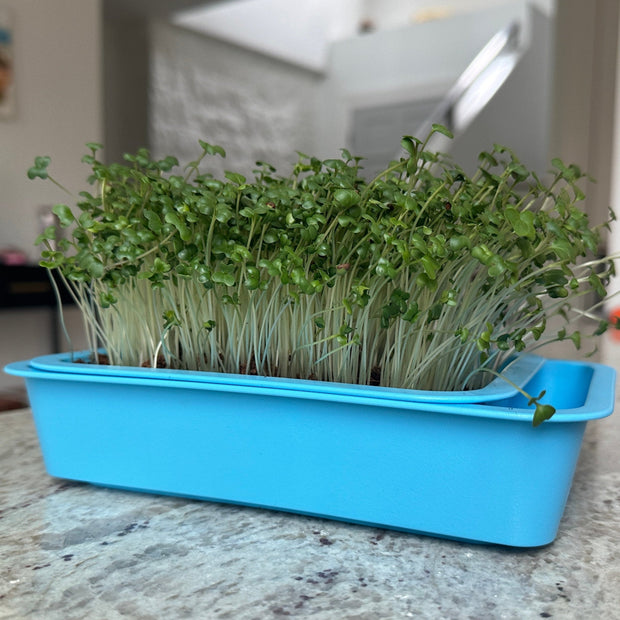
<point>418,278</point>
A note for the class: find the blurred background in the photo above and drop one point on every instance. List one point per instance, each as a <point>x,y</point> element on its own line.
<point>267,78</point>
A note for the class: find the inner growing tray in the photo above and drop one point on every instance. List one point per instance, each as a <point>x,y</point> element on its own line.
<point>518,372</point>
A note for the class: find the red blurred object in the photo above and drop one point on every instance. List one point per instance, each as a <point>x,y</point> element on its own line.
<point>11,256</point>
<point>614,324</point>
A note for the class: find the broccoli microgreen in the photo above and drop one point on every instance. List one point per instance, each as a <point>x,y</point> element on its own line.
<point>417,278</point>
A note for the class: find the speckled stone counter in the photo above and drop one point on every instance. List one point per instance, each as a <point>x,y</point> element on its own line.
<point>72,551</point>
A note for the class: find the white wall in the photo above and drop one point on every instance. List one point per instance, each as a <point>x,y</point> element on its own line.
<point>259,107</point>
<point>57,79</point>
<point>302,31</point>
<point>254,106</point>
<point>396,13</point>
<point>298,32</point>
<point>613,303</point>
<point>57,52</point>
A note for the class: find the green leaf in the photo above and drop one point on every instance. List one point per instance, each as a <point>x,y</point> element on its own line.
<point>64,215</point>
<point>603,326</point>
<point>542,413</point>
<point>160,266</point>
<point>170,319</point>
<point>92,265</point>
<point>209,325</point>
<point>49,234</point>
<point>236,178</point>
<point>430,267</point>
<point>412,313</point>
<point>175,220</point>
<point>436,128</point>
<point>334,164</point>
<point>221,277</point>
<point>223,213</point>
<point>166,164</point>
<point>410,144</point>
<point>39,170</point>
<point>434,312</point>
<point>459,243</point>
<point>557,163</point>
<point>463,334</point>
<point>488,158</point>
<point>346,197</point>
<point>521,221</point>
<point>597,285</point>
<point>107,299</point>
<point>497,266</point>
<point>564,249</point>
<point>557,292</point>
<point>86,221</point>
<point>212,149</point>
<point>154,221</point>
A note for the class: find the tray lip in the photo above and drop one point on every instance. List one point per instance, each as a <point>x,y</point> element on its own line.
<point>519,371</point>
<point>599,402</point>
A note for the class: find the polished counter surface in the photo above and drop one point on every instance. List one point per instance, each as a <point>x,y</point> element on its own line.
<point>71,551</point>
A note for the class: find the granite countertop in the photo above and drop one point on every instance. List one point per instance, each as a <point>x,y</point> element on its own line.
<point>71,551</point>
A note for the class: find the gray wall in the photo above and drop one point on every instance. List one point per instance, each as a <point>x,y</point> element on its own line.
<point>395,69</point>
<point>256,107</point>
<point>58,91</point>
<point>126,81</point>
<point>519,116</point>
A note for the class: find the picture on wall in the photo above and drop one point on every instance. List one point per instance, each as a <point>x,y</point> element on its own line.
<point>7,76</point>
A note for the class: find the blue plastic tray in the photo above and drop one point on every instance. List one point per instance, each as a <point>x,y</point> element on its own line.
<point>519,372</point>
<point>470,471</point>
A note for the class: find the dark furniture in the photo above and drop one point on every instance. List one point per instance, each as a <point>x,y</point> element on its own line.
<point>29,286</point>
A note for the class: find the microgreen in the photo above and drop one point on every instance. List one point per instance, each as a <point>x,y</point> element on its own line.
<point>419,278</point>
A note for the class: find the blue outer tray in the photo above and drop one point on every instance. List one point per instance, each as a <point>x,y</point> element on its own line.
<point>470,471</point>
